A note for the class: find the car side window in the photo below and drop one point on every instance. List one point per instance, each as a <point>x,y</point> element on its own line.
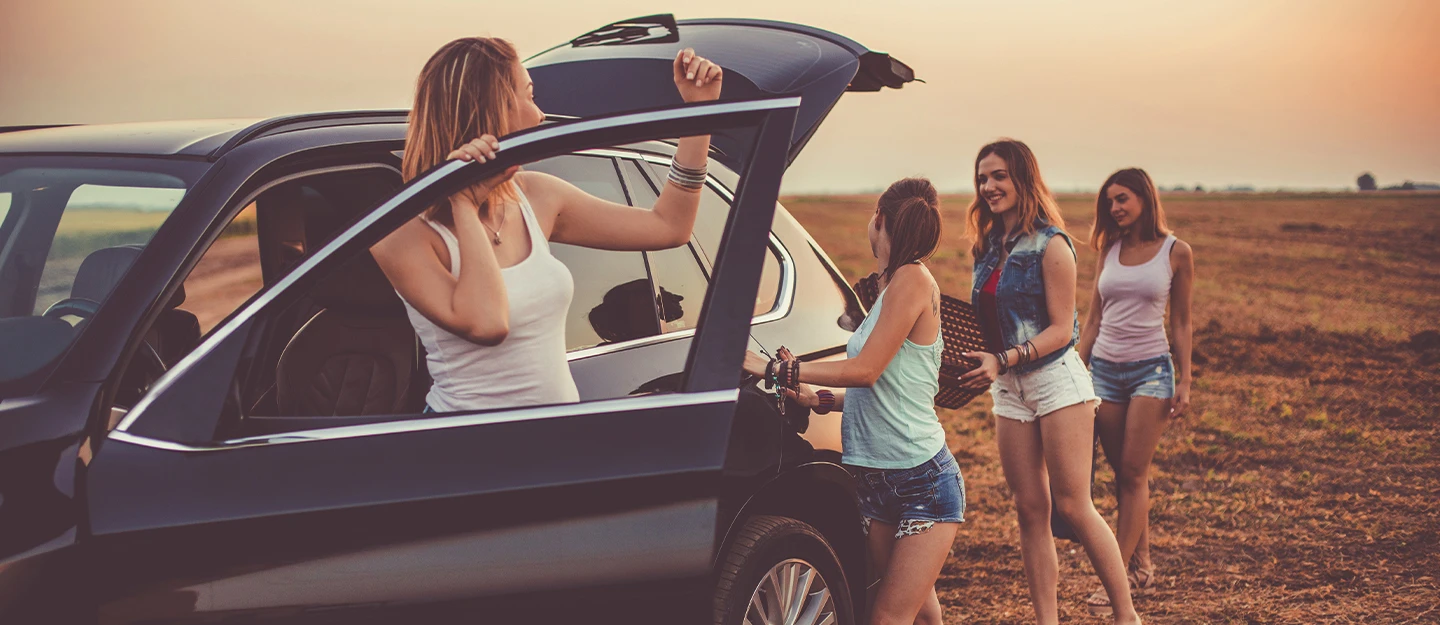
<point>680,286</point>
<point>768,294</point>
<point>96,219</point>
<point>709,221</point>
<point>612,301</point>
<point>227,274</point>
<point>278,227</point>
<point>710,226</point>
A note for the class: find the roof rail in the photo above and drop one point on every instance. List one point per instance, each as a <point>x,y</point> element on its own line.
<point>287,123</point>
<point>32,127</point>
<point>631,31</point>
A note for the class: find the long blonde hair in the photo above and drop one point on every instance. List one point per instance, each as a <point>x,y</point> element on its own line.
<point>1035,199</point>
<point>466,89</point>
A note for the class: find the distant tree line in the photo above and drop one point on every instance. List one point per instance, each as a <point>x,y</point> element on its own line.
<point>1366,182</point>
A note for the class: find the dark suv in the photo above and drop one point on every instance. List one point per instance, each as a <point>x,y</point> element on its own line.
<point>210,396</point>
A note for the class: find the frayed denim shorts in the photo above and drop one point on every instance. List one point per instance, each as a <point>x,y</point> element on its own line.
<point>1027,396</point>
<point>914,499</point>
<point>1117,382</point>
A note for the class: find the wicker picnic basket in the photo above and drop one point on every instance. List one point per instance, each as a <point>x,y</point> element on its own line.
<point>961,330</point>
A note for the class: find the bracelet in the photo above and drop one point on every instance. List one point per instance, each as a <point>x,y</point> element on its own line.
<point>827,401</point>
<point>788,374</point>
<point>770,374</point>
<point>688,178</point>
<point>1004,358</point>
<point>1029,352</point>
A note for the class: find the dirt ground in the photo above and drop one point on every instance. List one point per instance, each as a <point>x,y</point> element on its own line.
<point>1304,484</point>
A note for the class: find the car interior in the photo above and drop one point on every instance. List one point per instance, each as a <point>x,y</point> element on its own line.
<point>53,277</point>
<point>345,347</point>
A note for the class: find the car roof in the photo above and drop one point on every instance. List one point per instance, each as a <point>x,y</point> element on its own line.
<point>202,138</point>
<point>208,138</point>
<point>184,137</point>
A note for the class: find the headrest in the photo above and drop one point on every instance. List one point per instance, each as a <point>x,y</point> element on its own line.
<point>101,271</point>
<point>359,288</point>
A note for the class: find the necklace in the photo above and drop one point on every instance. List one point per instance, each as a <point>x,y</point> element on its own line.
<point>496,230</point>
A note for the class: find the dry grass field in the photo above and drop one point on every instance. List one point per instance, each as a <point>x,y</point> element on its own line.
<point>1304,485</point>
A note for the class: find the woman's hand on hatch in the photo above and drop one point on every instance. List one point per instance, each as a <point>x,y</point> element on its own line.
<point>697,79</point>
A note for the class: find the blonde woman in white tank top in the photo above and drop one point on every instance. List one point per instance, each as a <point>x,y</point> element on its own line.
<point>487,299</point>
<point>1142,268</point>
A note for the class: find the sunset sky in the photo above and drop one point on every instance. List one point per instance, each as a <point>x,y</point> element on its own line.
<point>1270,93</point>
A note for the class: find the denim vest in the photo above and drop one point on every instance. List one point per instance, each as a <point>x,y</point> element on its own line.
<point>1020,294</point>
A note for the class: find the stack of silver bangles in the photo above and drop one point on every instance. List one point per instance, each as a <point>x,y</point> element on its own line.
<point>687,178</point>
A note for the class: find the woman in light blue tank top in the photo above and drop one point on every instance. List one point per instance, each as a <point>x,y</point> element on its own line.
<point>911,494</point>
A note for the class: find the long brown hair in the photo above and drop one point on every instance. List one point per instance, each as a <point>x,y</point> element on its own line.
<point>1035,199</point>
<point>911,212</point>
<point>1151,224</point>
<point>466,89</point>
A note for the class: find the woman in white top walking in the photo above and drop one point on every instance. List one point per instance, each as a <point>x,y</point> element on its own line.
<point>487,299</point>
<point>1142,267</point>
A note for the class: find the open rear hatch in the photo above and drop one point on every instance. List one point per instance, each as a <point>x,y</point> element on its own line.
<point>625,66</point>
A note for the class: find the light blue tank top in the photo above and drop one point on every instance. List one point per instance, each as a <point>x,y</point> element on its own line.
<point>893,425</point>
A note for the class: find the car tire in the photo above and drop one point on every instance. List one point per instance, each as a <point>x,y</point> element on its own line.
<point>799,557</point>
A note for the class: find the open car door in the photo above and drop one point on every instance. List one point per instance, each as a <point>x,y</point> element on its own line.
<point>536,513</point>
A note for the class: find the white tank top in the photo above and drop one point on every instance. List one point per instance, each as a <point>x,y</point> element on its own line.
<point>1132,300</point>
<point>529,367</point>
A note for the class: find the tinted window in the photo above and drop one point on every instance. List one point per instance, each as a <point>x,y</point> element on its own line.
<point>227,274</point>
<point>769,290</point>
<point>98,217</point>
<point>612,297</point>
<point>595,175</point>
<point>612,289</point>
<point>642,189</point>
<point>680,287</point>
<point>69,236</point>
<point>709,221</point>
<point>710,226</point>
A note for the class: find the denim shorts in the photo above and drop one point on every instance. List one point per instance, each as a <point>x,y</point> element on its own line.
<point>1027,396</point>
<point>1117,382</point>
<point>914,499</point>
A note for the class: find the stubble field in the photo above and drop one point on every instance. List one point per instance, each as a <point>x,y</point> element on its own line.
<point>1304,484</point>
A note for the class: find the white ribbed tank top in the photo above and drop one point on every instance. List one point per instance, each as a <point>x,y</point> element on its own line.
<point>529,367</point>
<point>1132,300</point>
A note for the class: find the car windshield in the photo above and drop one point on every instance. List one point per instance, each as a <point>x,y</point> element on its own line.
<point>69,230</point>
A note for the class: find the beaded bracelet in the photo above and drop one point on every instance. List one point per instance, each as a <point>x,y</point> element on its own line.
<point>827,401</point>
<point>789,373</point>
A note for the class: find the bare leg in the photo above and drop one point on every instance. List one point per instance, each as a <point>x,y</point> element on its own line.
<point>1144,422</point>
<point>931,613</point>
<point>1110,426</point>
<point>880,542</point>
<point>1023,461</point>
<point>913,565</point>
<point>1068,434</point>
<point>1142,549</point>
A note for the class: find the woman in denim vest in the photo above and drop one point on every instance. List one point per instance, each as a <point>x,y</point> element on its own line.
<point>911,495</point>
<point>1141,268</point>
<point>1024,292</point>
